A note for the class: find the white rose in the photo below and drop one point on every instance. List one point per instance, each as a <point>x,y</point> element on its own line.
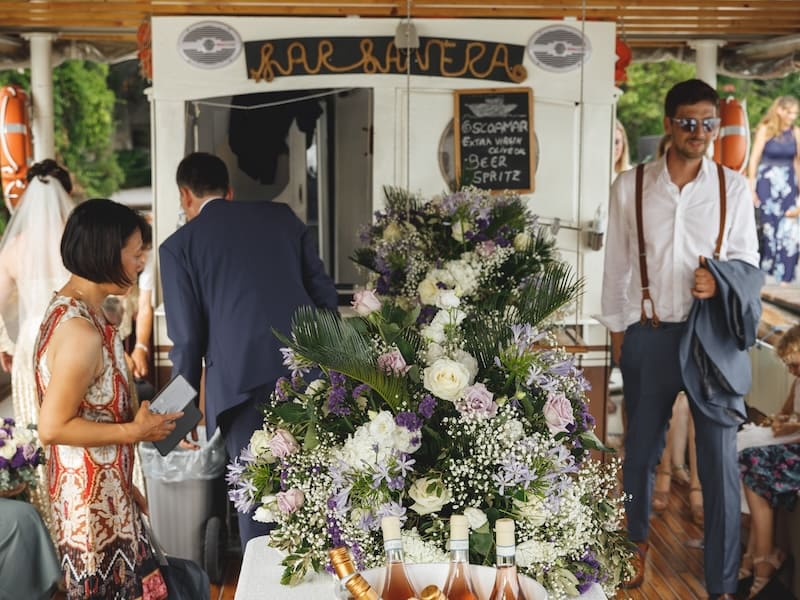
<point>476,517</point>
<point>428,291</point>
<point>365,302</point>
<point>23,435</point>
<point>264,515</point>
<point>259,445</point>
<point>449,317</point>
<point>526,553</point>
<point>426,501</point>
<point>446,379</point>
<point>8,450</point>
<point>393,232</point>
<point>521,241</point>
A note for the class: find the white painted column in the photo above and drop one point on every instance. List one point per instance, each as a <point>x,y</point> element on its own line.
<point>706,59</point>
<point>43,121</point>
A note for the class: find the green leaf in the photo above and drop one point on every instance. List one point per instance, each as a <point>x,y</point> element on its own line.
<point>481,542</point>
<point>592,442</point>
<point>291,412</point>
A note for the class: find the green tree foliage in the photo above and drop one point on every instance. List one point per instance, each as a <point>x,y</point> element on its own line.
<point>84,125</point>
<point>641,106</point>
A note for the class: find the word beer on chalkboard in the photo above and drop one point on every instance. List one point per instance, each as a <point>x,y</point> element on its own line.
<point>494,138</point>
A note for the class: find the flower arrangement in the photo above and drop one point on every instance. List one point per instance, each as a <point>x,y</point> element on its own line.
<point>20,454</point>
<point>422,407</point>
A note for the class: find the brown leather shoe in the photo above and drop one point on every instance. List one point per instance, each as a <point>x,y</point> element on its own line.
<point>638,560</point>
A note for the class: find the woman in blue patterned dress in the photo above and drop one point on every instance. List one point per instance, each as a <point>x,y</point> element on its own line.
<point>771,475</point>
<point>772,171</point>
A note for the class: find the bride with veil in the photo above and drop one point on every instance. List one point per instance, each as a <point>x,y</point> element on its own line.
<point>30,271</point>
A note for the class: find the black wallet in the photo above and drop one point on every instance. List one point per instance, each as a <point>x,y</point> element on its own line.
<point>178,395</point>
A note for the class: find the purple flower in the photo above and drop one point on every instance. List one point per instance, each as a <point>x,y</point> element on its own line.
<point>360,390</point>
<point>408,420</point>
<point>336,402</point>
<point>426,406</point>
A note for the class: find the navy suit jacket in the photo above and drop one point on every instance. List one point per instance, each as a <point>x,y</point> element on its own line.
<point>229,276</point>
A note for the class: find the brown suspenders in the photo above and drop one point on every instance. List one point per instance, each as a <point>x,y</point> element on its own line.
<point>640,235</point>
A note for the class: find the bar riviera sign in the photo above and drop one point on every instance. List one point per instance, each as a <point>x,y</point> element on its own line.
<point>435,57</point>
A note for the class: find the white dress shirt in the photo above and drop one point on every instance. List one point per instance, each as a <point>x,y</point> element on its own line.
<point>679,226</point>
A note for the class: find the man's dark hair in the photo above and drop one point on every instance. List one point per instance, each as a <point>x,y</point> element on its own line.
<point>204,174</point>
<point>95,233</point>
<point>50,168</point>
<point>690,91</point>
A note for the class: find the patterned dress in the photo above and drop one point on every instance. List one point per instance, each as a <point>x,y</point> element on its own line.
<point>105,553</point>
<point>773,472</point>
<point>776,187</point>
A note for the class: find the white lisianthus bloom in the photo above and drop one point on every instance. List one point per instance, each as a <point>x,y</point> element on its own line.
<point>446,379</point>
<point>469,361</point>
<point>382,426</point>
<point>521,241</point>
<point>451,316</point>
<point>447,299</point>
<point>428,290</point>
<point>533,511</point>
<point>265,513</point>
<point>429,495</point>
<point>475,517</point>
<point>433,352</point>
<point>8,449</point>
<point>316,386</point>
<point>434,332</point>
<point>459,229</point>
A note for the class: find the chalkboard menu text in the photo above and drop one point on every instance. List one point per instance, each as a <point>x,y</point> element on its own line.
<point>494,138</point>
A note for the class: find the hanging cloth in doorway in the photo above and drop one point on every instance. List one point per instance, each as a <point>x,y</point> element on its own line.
<point>258,136</point>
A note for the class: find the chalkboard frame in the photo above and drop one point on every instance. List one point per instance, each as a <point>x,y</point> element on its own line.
<point>525,92</point>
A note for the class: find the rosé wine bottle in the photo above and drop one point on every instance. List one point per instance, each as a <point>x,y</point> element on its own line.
<point>458,585</point>
<point>506,582</point>
<point>397,584</point>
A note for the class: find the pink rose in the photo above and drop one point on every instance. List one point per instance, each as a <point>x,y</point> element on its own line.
<point>283,444</point>
<point>290,501</point>
<point>558,412</point>
<point>393,363</point>
<point>477,401</point>
<point>365,302</point>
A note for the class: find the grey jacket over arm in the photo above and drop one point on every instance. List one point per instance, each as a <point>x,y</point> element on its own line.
<point>713,353</point>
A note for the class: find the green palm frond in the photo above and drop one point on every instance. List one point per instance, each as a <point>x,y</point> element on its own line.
<point>547,292</point>
<point>488,330</point>
<point>400,200</point>
<point>323,337</point>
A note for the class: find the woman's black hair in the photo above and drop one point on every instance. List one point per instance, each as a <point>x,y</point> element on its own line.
<point>94,236</point>
<point>50,168</point>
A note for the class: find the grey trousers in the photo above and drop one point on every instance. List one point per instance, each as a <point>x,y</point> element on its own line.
<point>651,381</point>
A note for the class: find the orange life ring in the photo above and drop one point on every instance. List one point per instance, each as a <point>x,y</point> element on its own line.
<point>733,142</point>
<point>15,143</point>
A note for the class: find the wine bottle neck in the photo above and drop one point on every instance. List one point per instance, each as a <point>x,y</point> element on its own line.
<point>394,551</point>
<point>459,551</point>
<point>506,556</point>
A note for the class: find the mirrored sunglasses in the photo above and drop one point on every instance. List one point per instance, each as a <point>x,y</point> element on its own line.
<point>689,124</point>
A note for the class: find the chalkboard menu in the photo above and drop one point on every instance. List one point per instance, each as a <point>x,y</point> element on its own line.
<point>494,139</point>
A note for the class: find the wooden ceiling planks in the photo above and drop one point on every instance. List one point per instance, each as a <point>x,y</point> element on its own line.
<point>644,22</point>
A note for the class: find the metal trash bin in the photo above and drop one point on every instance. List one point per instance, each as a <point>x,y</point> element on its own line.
<point>184,493</point>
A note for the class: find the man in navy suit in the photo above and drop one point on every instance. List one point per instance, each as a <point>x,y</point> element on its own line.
<point>231,274</point>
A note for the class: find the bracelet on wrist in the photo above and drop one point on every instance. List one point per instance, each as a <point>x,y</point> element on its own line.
<point>142,347</point>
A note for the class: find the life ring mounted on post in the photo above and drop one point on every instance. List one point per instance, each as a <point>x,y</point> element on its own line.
<point>732,145</point>
<point>16,152</point>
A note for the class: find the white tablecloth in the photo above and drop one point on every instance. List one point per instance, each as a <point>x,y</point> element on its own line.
<point>261,573</point>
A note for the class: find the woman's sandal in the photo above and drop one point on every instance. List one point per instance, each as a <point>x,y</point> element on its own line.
<point>696,508</point>
<point>746,566</point>
<point>660,499</point>
<point>775,559</point>
<point>680,475</point>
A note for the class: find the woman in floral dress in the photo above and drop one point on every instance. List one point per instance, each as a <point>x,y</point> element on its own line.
<point>86,415</point>
<point>772,171</point>
<point>771,476</point>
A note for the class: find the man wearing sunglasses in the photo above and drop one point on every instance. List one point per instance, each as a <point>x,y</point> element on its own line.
<point>655,268</point>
